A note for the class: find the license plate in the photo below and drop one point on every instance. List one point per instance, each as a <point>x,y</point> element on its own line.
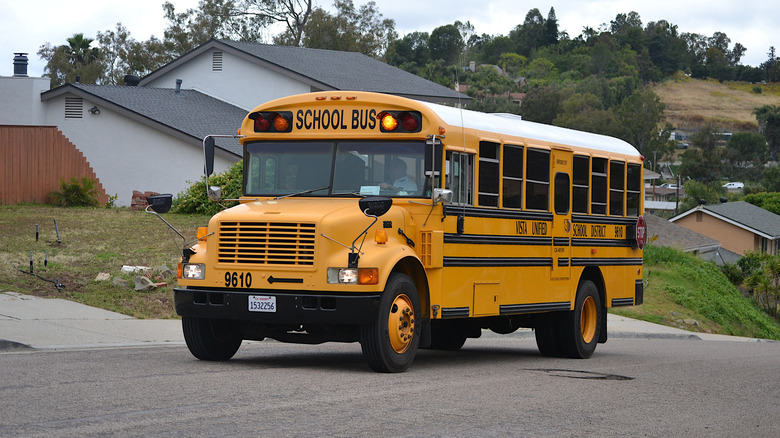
<point>262,303</point>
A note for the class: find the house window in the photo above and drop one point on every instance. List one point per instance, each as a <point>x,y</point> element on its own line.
<point>216,61</point>
<point>74,107</point>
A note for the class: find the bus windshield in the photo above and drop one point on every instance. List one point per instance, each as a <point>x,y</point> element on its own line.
<point>328,168</point>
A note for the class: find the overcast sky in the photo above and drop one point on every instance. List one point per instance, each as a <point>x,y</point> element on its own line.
<point>25,25</point>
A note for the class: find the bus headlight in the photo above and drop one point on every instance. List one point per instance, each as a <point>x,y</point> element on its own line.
<point>193,271</point>
<point>353,275</point>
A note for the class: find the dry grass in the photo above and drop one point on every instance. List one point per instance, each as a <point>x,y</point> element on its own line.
<point>94,240</point>
<point>690,103</point>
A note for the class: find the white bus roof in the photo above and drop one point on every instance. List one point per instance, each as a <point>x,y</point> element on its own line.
<point>514,126</point>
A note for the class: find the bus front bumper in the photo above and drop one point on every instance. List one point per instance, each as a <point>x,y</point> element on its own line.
<point>290,307</point>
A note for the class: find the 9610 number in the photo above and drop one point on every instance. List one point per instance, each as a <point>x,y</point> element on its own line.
<point>238,279</point>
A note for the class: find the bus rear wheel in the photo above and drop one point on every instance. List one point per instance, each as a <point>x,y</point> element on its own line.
<point>581,326</point>
<point>390,343</point>
<point>210,339</point>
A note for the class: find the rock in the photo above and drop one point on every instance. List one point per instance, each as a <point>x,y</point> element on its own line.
<point>689,321</point>
<point>165,271</point>
<point>119,281</point>
<point>143,284</point>
<point>103,276</point>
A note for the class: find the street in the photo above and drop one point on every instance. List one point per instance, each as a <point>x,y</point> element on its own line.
<point>494,386</point>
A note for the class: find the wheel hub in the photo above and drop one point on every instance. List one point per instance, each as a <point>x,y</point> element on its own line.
<point>588,319</point>
<point>400,323</point>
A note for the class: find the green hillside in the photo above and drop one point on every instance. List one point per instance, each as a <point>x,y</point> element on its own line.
<point>686,292</point>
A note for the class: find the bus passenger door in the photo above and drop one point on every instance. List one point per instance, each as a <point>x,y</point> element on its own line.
<point>561,226</point>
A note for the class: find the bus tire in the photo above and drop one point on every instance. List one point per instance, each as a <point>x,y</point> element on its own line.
<point>210,339</point>
<point>581,326</point>
<point>390,343</point>
<point>548,335</point>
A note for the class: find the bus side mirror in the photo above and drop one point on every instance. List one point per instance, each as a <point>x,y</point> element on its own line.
<point>443,196</point>
<point>375,206</point>
<point>160,203</point>
<point>208,155</point>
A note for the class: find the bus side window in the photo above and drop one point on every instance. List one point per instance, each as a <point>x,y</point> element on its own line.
<point>489,174</point>
<point>561,193</point>
<point>460,177</point>
<point>617,175</point>
<point>633,189</point>
<point>598,195</point>
<point>581,184</point>
<point>513,176</point>
<point>537,180</point>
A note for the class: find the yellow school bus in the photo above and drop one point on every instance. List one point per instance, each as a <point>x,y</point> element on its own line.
<point>403,224</point>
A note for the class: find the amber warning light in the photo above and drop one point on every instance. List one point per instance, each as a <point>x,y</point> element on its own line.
<point>399,121</point>
<point>272,121</point>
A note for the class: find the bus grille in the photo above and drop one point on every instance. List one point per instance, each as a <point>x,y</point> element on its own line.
<point>266,243</point>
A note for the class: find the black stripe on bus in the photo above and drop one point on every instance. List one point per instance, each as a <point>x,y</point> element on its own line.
<point>563,262</point>
<point>561,241</point>
<point>455,210</point>
<point>509,309</point>
<point>601,242</point>
<point>496,261</point>
<point>628,261</point>
<point>482,239</point>
<point>455,312</point>
<point>617,302</point>
<point>578,218</point>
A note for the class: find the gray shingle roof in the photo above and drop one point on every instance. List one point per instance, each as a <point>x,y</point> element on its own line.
<point>749,216</point>
<point>190,113</point>
<point>675,236</point>
<point>332,70</point>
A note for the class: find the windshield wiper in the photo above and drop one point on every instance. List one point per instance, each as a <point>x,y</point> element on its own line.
<point>303,193</point>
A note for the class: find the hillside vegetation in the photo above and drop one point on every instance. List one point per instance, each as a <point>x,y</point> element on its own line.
<point>690,103</point>
<point>686,292</point>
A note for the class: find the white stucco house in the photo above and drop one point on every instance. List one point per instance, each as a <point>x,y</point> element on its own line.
<point>147,136</point>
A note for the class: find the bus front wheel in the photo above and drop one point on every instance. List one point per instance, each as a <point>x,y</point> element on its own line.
<point>390,342</point>
<point>210,339</point>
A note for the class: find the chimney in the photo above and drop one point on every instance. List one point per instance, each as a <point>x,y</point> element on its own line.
<point>178,87</point>
<point>132,80</point>
<point>20,65</point>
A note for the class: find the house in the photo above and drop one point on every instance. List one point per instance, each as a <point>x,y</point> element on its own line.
<point>661,232</point>
<point>147,135</point>
<point>739,226</point>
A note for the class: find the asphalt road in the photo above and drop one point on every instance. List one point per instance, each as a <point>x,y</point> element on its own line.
<point>495,386</point>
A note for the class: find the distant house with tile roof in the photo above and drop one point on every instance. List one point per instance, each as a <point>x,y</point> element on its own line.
<point>148,137</point>
<point>739,226</point>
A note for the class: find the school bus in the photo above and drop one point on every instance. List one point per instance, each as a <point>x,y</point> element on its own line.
<point>403,224</point>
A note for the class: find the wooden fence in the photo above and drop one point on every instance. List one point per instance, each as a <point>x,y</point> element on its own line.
<point>34,160</point>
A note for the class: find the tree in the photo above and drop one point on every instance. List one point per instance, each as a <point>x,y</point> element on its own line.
<point>446,43</point>
<point>696,191</point>
<point>542,104</point>
<point>551,28</point>
<point>115,46</point>
<point>77,58</point>
<point>768,117</point>
<point>294,14</point>
<point>640,116</point>
<point>703,162</point>
<point>351,30</point>
<point>411,51</point>
<point>531,35</point>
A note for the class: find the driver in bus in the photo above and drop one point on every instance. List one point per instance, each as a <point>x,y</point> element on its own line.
<point>400,182</point>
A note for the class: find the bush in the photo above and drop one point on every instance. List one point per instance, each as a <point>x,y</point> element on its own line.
<point>76,193</point>
<point>757,89</point>
<point>195,200</point>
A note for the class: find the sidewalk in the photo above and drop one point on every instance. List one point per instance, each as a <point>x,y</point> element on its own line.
<point>55,324</point>
<point>31,322</point>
